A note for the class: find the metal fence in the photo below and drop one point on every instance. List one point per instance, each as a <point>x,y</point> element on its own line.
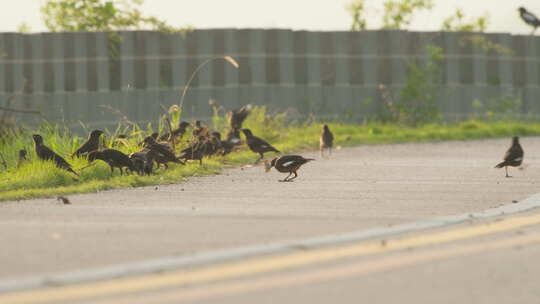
<point>91,77</point>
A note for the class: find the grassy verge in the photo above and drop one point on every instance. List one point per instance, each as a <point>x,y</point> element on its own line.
<point>42,179</point>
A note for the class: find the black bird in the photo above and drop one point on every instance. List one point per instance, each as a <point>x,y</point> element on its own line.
<point>164,150</point>
<point>258,145</point>
<point>45,153</point>
<point>22,157</point>
<point>233,137</point>
<point>178,132</point>
<point>63,199</point>
<point>144,161</point>
<point>326,141</point>
<point>199,129</point>
<point>513,157</point>
<point>198,149</point>
<point>287,164</point>
<point>529,18</point>
<point>228,145</point>
<point>237,117</point>
<point>90,145</point>
<point>114,158</point>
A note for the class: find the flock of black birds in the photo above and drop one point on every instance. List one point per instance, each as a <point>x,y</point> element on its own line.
<point>157,151</point>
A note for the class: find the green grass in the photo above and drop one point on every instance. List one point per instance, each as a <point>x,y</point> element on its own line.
<point>42,179</point>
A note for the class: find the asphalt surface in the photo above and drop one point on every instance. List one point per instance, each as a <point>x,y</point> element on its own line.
<point>356,189</point>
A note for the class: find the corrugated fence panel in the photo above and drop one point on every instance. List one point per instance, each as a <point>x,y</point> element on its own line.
<point>103,77</point>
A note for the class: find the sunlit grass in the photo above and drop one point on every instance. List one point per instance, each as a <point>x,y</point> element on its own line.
<point>42,179</point>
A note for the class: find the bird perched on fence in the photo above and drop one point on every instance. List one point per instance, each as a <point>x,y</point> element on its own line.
<point>90,145</point>
<point>45,153</point>
<point>114,158</point>
<point>513,157</point>
<point>258,145</point>
<point>22,158</point>
<point>287,164</point>
<point>178,132</point>
<point>529,18</point>
<point>326,141</point>
<point>163,150</point>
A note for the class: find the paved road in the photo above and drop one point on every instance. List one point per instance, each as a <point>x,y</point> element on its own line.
<point>358,188</point>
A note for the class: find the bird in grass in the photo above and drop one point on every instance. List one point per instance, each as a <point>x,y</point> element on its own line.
<point>178,132</point>
<point>529,18</point>
<point>326,141</point>
<point>287,164</point>
<point>90,145</point>
<point>199,129</point>
<point>45,153</point>
<point>513,157</point>
<point>237,117</point>
<point>200,148</point>
<point>144,161</point>
<point>63,199</point>
<point>258,145</point>
<point>114,158</point>
<point>163,150</point>
<point>233,138</point>
<point>22,158</point>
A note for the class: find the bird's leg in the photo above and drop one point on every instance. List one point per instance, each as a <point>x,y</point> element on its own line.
<point>121,171</point>
<point>112,171</point>
<point>261,157</point>
<point>506,169</point>
<point>286,179</point>
<point>295,176</point>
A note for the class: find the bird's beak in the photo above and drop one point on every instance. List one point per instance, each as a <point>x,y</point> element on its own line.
<point>267,166</point>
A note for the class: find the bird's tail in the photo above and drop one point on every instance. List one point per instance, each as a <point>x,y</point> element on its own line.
<point>73,171</point>
<point>500,165</point>
<point>309,159</point>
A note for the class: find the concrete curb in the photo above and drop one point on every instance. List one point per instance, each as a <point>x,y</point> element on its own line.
<point>234,254</point>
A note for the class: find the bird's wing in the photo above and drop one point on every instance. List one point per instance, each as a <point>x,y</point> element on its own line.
<point>529,17</point>
<point>515,153</point>
<point>61,162</point>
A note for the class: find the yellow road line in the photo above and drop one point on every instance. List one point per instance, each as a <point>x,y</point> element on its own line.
<point>256,265</point>
<point>289,280</point>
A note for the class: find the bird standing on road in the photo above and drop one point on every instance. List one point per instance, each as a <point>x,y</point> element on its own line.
<point>258,145</point>
<point>513,157</point>
<point>45,153</point>
<point>114,158</point>
<point>326,141</point>
<point>287,164</point>
<point>529,18</point>
<point>63,199</point>
<point>90,145</point>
